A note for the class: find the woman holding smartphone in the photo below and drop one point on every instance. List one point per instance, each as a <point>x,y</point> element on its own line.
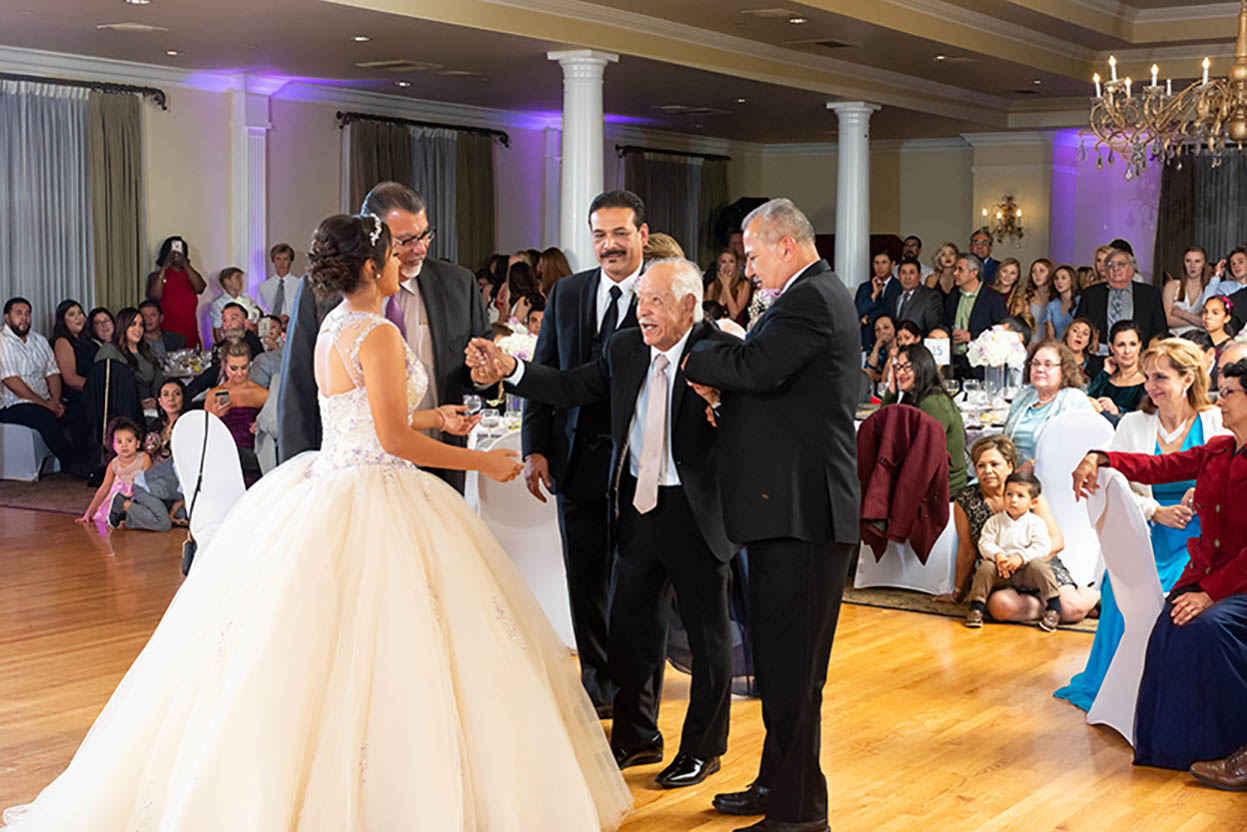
<point>176,286</point>
<point>237,402</point>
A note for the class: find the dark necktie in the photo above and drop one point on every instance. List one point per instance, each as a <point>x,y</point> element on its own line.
<point>900,303</point>
<point>611,318</point>
<point>279,302</point>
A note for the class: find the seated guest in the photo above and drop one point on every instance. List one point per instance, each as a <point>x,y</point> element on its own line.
<point>994,459</point>
<point>132,349</point>
<point>881,354</point>
<point>1202,341</point>
<point>1123,299</point>
<point>730,287</point>
<point>31,388</point>
<point>1175,416</point>
<point>552,266</point>
<point>876,296</point>
<point>1055,387</point>
<point>489,279</point>
<point>1229,275</point>
<point>277,292</point>
<point>536,312</point>
<point>115,499</point>
<point>1083,340</point>
<point>160,342</point>
<point>1064,293</point>
<point>1190,703</point>
<point>1118,389</point>
<point>231,280</point>
<point>1183,296</point>
<point>1234,352</point>
<point>1218,324</point>
<point>1018,326</point>
<point>101,326</point>
<point>1013,548</point>
<point>915,302</point>
<point>169,408</point>
<point>161,480</point>
<point>234,318</point>
<point>521,281</point>
<point>236,402</point>
<point>916,381</point>
<point>75,354</point>
<point>267,365</point>
<point>908,332</point>
<point>970,310</point>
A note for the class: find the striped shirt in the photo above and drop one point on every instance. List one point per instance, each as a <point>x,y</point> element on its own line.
<point>30,360</point>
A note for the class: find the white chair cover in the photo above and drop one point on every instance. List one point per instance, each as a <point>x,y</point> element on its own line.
<point>1127,546</point>
<point>528,530</point>
<point>900,568</point>
<point>1064,443</point>
<point>22,453</point>
<point>222,474</point>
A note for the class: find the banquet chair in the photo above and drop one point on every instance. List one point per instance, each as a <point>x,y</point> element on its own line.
<point>22,453</point>
<point>528,530</point>
<point>1064,443</point>
<point>222,485</point>
<point>1127,546</point>
<point>900,568</point>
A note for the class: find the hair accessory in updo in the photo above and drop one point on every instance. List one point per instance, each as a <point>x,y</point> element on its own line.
<point>376,230</point>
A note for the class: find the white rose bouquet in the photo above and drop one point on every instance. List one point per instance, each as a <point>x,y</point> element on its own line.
<point>997,347</point>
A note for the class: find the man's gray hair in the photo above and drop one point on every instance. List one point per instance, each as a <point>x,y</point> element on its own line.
<point>973,263</point>
<point>981,231</point>
<point>781,218</point>
<point>686,279</point>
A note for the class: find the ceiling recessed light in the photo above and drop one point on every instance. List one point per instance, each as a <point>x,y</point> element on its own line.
<point>172,52</point>
<point>1037,82</point>
<point>740,101</point>
<point>138,2</point>
<point>798,19</point>
<point>402,83</point>
<point>941,57</point>
<point>361,38</point>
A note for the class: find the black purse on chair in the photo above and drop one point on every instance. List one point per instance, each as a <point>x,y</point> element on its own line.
<point>189,546</point>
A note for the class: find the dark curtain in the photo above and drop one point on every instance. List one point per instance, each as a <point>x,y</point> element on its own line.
<point>1203,205</point>
<point>379,152</point>
<point>671,188</point>
<point>116,171</point>
<point>474,211</point>
<point>713,201</point>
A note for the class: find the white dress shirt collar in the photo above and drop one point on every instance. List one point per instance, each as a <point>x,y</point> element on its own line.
<point>628,288</point>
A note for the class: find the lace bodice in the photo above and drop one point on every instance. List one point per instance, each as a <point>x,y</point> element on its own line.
<point>349,434</point>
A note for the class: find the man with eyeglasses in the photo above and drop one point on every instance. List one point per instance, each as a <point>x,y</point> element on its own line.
<point>981,247</point>
<point>1121,298</point>
<point>437,308</point>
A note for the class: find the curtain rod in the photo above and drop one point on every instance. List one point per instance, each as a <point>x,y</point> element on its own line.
<point>623,149</point>
<point>155,94</point>
<point>346,118</point>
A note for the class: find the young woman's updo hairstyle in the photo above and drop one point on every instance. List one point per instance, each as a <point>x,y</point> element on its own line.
<point>340,247</point>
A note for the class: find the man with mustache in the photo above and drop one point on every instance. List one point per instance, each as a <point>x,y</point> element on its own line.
<point>438,309</point>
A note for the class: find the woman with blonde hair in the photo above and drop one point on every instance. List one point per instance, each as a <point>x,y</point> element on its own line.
<point>662,246</point>
<point>730,288</point>
<point>1176,416</point>
<point>1011,283</point>
<point>943,263</point>
<point>1100,265</point>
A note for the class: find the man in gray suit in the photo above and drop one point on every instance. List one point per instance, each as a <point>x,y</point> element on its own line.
<point>438,308</point>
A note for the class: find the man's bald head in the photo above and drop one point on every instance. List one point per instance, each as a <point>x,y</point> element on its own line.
<point>1234,352</point>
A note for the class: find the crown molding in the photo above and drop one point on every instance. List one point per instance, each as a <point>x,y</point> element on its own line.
<point>1180,52</point>
<point>415,108</point>
<point>82,67</point>
<point>1169,14</point>
<point>934,145</point>
<point>1006,139</point>
<point>996,27</point>
<point>909,91</point>
<point>802,149</point>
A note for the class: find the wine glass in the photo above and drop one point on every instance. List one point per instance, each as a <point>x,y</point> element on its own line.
<point>473,403</point>
<point>491,420</point>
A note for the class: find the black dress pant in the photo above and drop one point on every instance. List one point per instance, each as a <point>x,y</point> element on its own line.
<point>49,427</point>
<point>657,550</point>
<point>795,591</point>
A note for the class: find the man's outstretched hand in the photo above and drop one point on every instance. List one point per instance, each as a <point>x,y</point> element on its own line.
<point>489,364</point>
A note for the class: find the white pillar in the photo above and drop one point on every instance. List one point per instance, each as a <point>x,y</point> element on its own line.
<point>550,198</point>
<point>248,193</point>
<point>853,191</point>
<point>583,141</point>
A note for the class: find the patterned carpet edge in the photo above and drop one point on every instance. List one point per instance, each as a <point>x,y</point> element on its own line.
<point>907,600</point>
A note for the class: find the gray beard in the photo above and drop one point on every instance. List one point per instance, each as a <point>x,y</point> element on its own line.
<point>408,272</point>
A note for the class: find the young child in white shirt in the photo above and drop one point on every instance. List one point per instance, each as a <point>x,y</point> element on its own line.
<point>1014,547</point>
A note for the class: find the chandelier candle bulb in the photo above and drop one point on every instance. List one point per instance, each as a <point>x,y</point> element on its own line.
<point>1207,63</point>
<point>1096,78</point>
<point>1155,73</point>
<point>1127,87</point>
<point>1168,86</point>
<point>1112,64</point>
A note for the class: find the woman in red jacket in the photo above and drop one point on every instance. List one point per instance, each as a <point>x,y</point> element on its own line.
<point>1190,705</point>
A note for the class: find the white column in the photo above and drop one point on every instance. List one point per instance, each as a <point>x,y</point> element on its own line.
<point>853,191</point>
<point>248,193</point>
<point>583,141</point>
<point>550,198</point>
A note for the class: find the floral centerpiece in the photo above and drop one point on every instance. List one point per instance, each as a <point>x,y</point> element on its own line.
<point>520,345</point>
<point>997,349</point>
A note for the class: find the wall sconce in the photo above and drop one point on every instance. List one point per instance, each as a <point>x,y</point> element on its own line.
<point>1004,219</point>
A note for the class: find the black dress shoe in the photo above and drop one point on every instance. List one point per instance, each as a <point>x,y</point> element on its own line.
<point>606,711</point>
<point>786,826</point>
<point>686,770</point>
<point>645,755</point>
<point>752,801</point>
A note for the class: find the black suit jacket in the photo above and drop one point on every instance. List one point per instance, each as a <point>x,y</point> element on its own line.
<point>1149,310</point>
<point>173,340</point>
<point>617,376</point>
<point>872,309</point>
<point>925,308</point>
<point>989,309</point>
<point>456,315</point>
<point>786,433</point>
<point>565,342</point>
<point>1239,310</point>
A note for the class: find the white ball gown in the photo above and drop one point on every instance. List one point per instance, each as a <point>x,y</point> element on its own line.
<point>352,651</point>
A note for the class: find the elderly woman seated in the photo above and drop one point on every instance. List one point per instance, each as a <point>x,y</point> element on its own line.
<point>1055,387</point>
<point>1190,705</point>
<point>916,381</point>
<point>995,458</point>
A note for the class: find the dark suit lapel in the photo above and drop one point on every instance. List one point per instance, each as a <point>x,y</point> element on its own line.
<point>586,324</point>
<point>698,332</point>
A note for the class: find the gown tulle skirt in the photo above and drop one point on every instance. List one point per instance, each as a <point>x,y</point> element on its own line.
<point>352,651</point>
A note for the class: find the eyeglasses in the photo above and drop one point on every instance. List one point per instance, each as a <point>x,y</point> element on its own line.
<point>902,368</point>
<point>1229,391</point>
<point>412,239</point>
<point>1118,264</point>
<point>1047,365</point>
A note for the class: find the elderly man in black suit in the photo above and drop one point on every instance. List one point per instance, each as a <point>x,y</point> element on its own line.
<point>438,308</point>
<point>1121,298</point>
<point>568,449</point>
<point>970,308</point>
<point>664,498</point>
<point>916,302</point>
<point>790,494</point>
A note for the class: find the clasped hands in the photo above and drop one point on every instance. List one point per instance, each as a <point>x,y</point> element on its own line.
<point>1006,565</point>
<point>489,364</point>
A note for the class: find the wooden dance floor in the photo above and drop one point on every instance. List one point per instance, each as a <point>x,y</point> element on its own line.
<point>927,725</point>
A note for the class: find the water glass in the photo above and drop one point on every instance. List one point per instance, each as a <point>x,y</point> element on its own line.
<point>473,403</point>
<point>491,421</point>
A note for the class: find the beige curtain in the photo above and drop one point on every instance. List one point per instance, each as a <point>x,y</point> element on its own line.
<point>379,152</point>
<point>474,211</point>
<point>115,158</point>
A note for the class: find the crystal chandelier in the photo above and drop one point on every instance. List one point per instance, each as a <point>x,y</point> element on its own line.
<point>1153,123</point>
<point>1008,220</point>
